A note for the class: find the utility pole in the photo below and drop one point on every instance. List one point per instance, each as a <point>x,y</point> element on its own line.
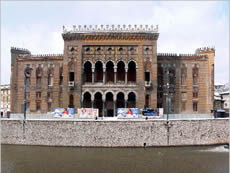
<point>26,74</point>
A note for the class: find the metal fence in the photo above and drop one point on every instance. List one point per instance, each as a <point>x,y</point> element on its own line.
<point>75,117</point>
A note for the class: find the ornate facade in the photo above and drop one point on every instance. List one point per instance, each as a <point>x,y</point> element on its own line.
<point>110,67</point>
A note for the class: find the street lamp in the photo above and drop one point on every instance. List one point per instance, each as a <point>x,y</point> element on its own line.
<point>26,75</point>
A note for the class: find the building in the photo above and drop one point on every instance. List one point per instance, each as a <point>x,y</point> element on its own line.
<point>225,98</point>
<point>5,99</point>
<point>110,67</point>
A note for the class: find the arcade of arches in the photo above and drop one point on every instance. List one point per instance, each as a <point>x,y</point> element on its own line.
<point>109,102</point>
<point>109,72</point>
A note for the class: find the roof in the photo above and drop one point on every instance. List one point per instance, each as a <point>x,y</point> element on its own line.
<point>219,84</point>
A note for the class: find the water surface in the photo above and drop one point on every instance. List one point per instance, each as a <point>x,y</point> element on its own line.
<point>37,159</point>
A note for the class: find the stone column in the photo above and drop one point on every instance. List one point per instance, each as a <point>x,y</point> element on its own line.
<point>114,107</point>
<point>103,108</point>
<point>126,101</point>
<point>92,101</point>
<point>92,75</point>
<point>126,73</point>
<point>115,74</point>
<point>104,71</point>
<point>81,101</point>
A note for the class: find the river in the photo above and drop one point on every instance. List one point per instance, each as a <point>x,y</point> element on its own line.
<point>42,159</point>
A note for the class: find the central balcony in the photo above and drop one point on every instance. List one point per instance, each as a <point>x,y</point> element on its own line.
<point>109,85</point>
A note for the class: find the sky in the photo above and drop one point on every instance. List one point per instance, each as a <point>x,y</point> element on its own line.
<point>184,26</point>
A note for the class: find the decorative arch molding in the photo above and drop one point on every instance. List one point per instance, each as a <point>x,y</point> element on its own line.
<point>120,91</point>
<point>98,91</point>
<point>132,92</point>
<point>133,61</point>
<point>121,60</point>
<point>114,64</point>
<point>99,60</point>
<point>109,91</point>
<point>88,60</point>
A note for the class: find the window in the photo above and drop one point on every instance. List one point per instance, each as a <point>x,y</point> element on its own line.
<point>49,107</point>
<point>61,75</point>
<point>195,72</point>
<point>28,95</point>
<point>147,100</point>
<point>147,76</point>
<point>195,106</point>
<point>38,105</point>
<point>184,95</point>
<point>38,95</point>
<point>7,99</point>
<point>71,76</point>
<point>87,49</point>
<point>183,75</point>
<point>50,80</point>
<point>38,82</point>
<point>183,106</point>
<point>195,94</point>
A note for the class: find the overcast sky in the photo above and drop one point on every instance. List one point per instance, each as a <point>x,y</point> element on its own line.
<point>183,26</point>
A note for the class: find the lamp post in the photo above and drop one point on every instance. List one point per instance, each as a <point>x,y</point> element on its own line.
<point>26,74</point>
<point>167,96</point>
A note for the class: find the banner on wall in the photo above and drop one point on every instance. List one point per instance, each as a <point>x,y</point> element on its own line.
<point>127,112</point>
<point>62,113</point>
<point>87,113</point>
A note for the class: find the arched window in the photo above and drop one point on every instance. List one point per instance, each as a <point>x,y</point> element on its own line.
<point>120,100</point>
<point>98,103</point>
<point>131,100</point>
<point>28,76</point>
<point>50,77</point>
<point>88,72</point>
<point>195,74</point>
<point>132,71</point>
<point>109,72</point>
<point>109,105</point>
<point>121,72</point>
<point>38,76</point>
<point>172,77</point>
<point>98,71</point>
<point>87,100</point>
<point>160,78</point>
<point>183,74</point>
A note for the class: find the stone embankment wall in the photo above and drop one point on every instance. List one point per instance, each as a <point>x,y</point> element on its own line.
<point>120,133</point>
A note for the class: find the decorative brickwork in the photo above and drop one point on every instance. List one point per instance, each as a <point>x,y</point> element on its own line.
<point>108,67</point>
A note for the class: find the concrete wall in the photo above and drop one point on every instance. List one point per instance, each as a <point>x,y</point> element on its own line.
<point>118,133</point>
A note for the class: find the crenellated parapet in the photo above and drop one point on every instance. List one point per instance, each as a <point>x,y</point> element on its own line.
<point>16,50</point>
<point>174,56</point>
<point>167,54</point>
<point>205,50</point>
<point>111,28</point>
<point>111,32</point>
<point>40,57</point>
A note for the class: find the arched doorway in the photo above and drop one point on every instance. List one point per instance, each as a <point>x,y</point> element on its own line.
<point>109,72</point>
<point>131,100</point>
<point>132,71</point>
<point>98,103</point>
<point>98,71</point>
<point>120,100</point>
<point>109,106</point>
<point>121,72</point>
<point>87,72</point>
<point>87,100</point>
